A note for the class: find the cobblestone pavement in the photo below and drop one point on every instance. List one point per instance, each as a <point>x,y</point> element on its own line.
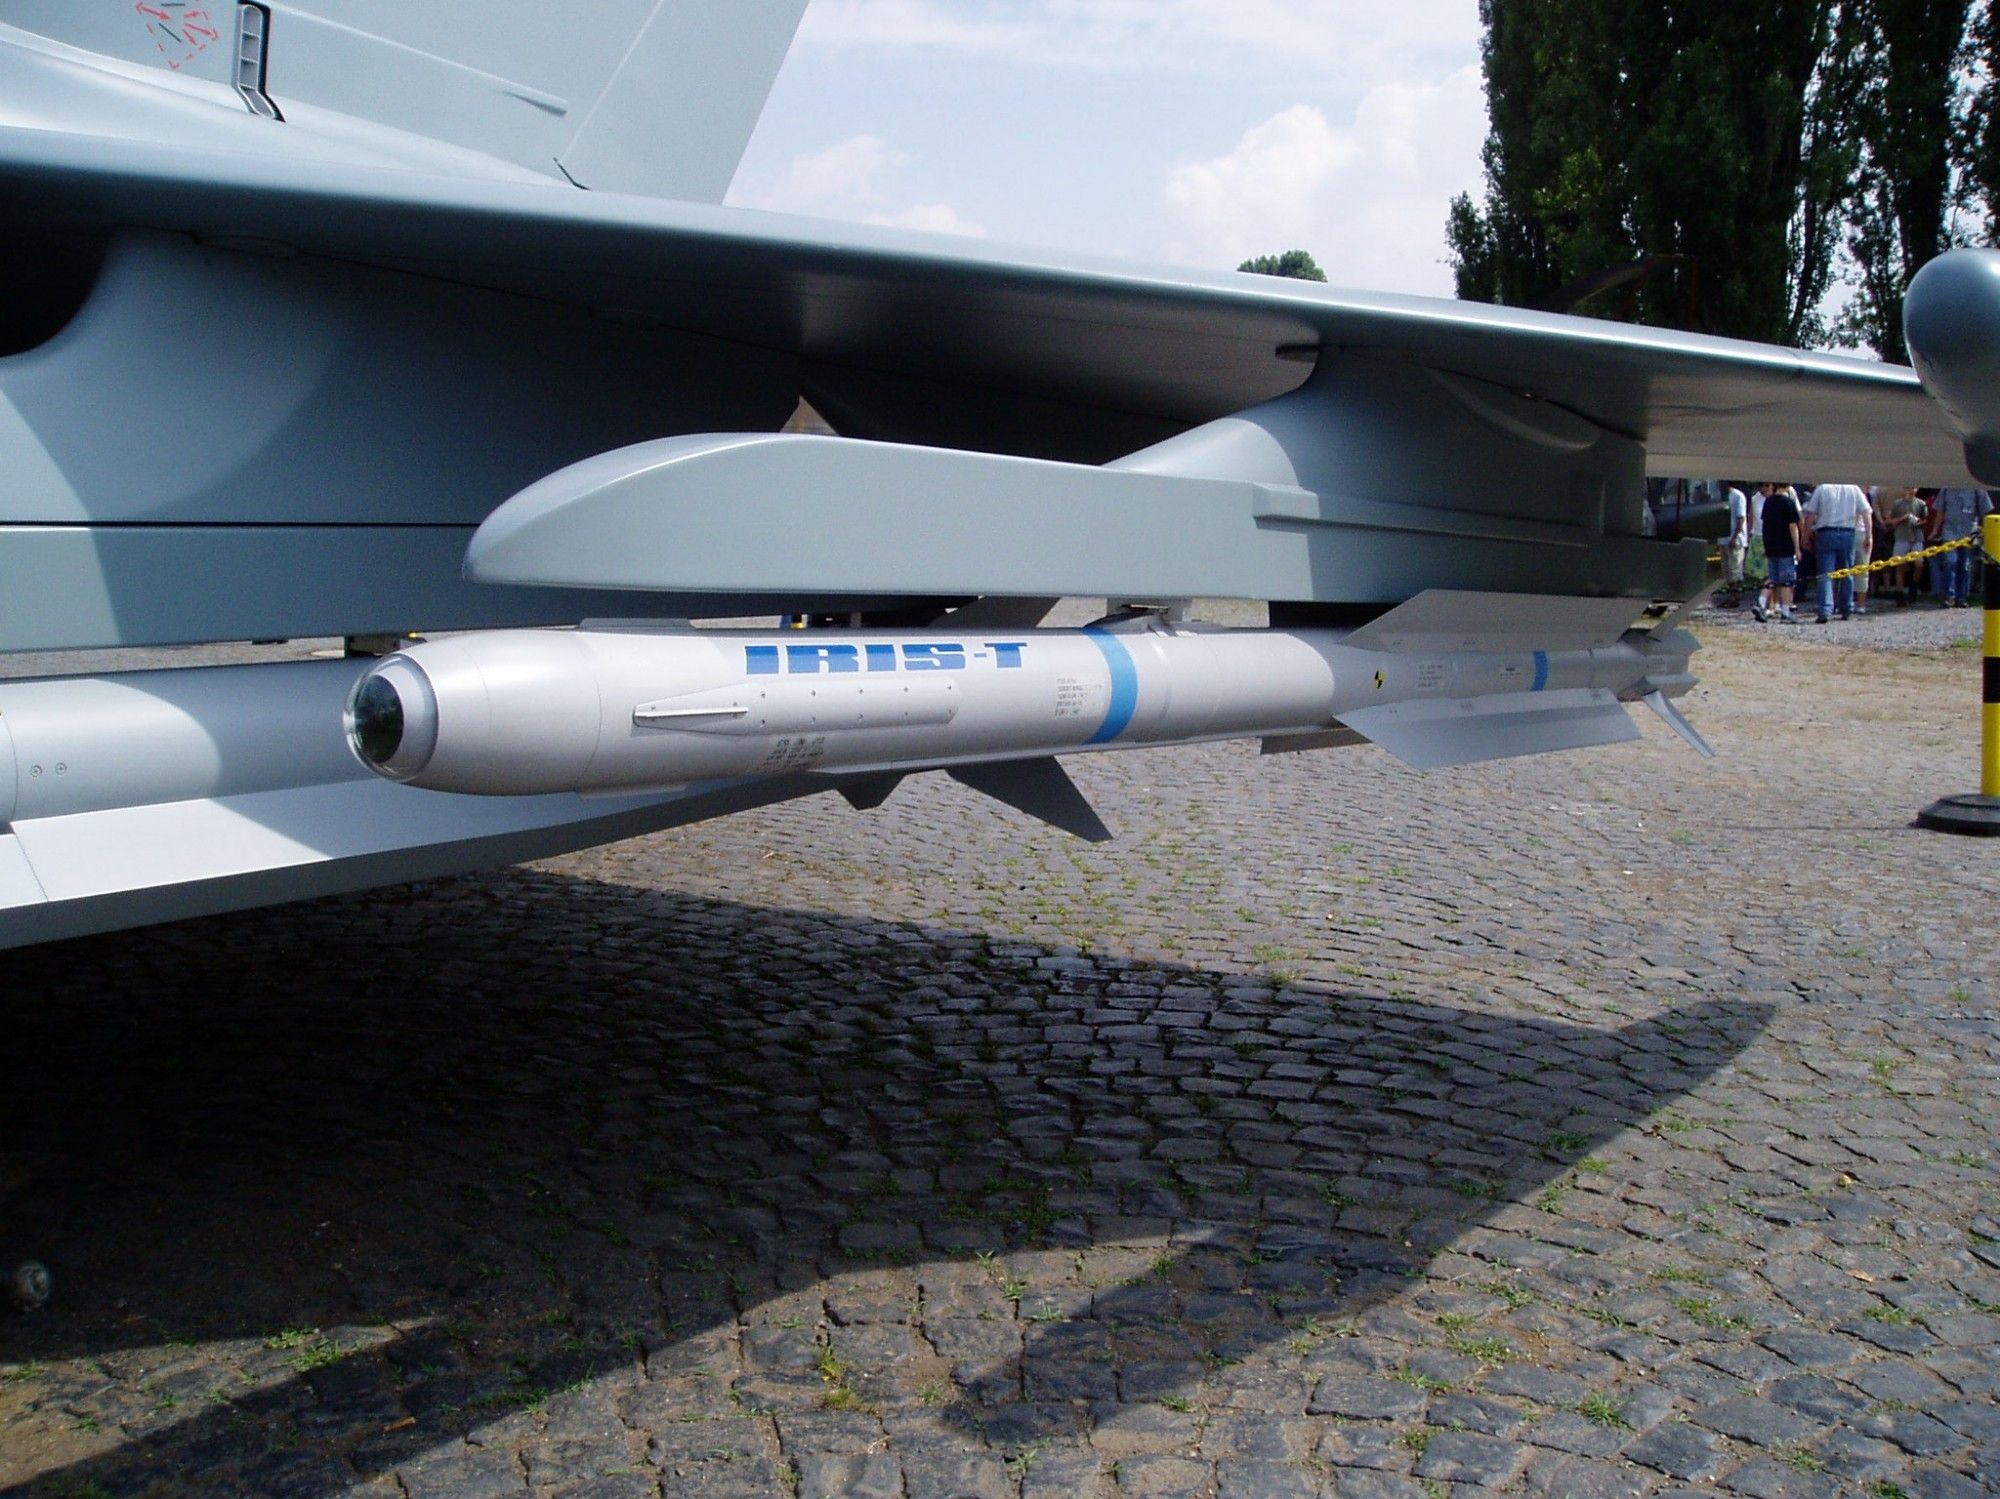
<point>1609,1124</point>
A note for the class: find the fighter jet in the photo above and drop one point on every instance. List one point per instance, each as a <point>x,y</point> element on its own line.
<point>378,318</point>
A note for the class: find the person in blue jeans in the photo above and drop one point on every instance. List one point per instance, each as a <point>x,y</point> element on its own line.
<point>1837,512</point>
<point>1959,512</point>
<point>1779,519</point>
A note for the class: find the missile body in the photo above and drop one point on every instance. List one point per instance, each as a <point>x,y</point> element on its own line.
<point>613,710</point>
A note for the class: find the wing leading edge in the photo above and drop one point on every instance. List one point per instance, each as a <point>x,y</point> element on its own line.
<point>919,338</point>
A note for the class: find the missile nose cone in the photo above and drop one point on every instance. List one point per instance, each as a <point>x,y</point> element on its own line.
<point>391,719</point>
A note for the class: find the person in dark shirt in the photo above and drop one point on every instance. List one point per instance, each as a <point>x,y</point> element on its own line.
<point>1781,550</point>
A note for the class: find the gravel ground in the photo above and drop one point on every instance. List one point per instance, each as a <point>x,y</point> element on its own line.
<point>1599,1126</point>
<point>1886,627</point>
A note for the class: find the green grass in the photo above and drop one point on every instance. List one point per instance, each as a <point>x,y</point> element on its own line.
<point>316,1356</point>
<point>1512,1295</point>
<point>1702,1310</point>
<point>1425,1382</point>
<point>1602,1410</point>
<point>1488,1350</point>
<point>838,1395</point>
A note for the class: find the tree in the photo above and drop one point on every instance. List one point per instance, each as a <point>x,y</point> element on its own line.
<point>1664,164</point>
<point>1978,146</point>
<point>1297,264</point>
<point>1915,54</point>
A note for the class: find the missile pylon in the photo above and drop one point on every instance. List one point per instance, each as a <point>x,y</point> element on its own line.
<point>1445,679</point>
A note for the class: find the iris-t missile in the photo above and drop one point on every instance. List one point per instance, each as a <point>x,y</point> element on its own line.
<point>601,710</point>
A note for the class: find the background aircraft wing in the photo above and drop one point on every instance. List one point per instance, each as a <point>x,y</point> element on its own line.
<point>916,338</point>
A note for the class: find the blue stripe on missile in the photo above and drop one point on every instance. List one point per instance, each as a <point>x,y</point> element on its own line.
<point>1124,687</point>
<point>1541,671</point>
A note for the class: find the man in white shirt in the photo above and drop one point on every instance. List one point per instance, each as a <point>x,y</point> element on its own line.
<point>1836,512</point>
<point>1735,546</point>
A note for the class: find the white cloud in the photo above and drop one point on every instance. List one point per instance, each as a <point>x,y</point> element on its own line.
<point>845,181</point>
<point>909,24</point>
<point>825,181</point>
<point>1348,42</point>
<point>1368,198</point>
<point>937,218</point>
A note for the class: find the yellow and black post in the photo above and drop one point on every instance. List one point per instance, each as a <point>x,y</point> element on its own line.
<point>1980,812</point>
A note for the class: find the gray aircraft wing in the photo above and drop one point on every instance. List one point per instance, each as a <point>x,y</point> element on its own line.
<point>918,338</point>
<point>355,356</point>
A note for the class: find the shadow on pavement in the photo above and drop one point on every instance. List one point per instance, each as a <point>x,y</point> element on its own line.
<point>542,1160</point>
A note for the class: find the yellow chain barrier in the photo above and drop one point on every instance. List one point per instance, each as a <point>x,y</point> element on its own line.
<point>1904,560</point>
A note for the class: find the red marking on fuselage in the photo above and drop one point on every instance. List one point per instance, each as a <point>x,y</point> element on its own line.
<point>190,29</point>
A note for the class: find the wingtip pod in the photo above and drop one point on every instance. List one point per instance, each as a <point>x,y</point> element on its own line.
<point>1951,323</point>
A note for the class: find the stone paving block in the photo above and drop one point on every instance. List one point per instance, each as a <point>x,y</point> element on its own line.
<point>1753,1420</point>
<point>1366,1398</point>
<point>1470,1457</point>
<point>873,1475</point>
<point>1913,1431</point>
<point>1942,1483</point>
<point>620,1485</point>
<point>1353,1483</point>
<point>1556,1476</point>
<point>1153,1476</point>
<point>469,1475</point>
<point>1681,1451</point>
<point>1861,1458</point>
<point>1253,1478</point>
<point>1476,1413</point>
<point>1967,1329</point>
<point>1768,1478</point>
<point>1817,1398</point>
<point>935,1472</point>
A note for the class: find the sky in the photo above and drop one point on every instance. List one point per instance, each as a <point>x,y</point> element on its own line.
<point>1196,132</point>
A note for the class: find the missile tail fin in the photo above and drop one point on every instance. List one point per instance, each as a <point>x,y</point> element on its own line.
<point>1041,788</point>
<point>1445,619</point>
<point>1436,732</point>
<point>1663,705</point>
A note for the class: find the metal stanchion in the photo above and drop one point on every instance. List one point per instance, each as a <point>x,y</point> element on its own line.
<point>1980,813</point>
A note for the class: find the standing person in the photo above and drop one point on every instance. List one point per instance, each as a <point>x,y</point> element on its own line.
<point>1864,548</point>
<point>1735,545</point>
<point>1756,565</point>
<point>1836,511</point>
<point>1905,519</point>
<point>1781,550</point>
<point>1959,513</point>
<point>1932,527</point>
